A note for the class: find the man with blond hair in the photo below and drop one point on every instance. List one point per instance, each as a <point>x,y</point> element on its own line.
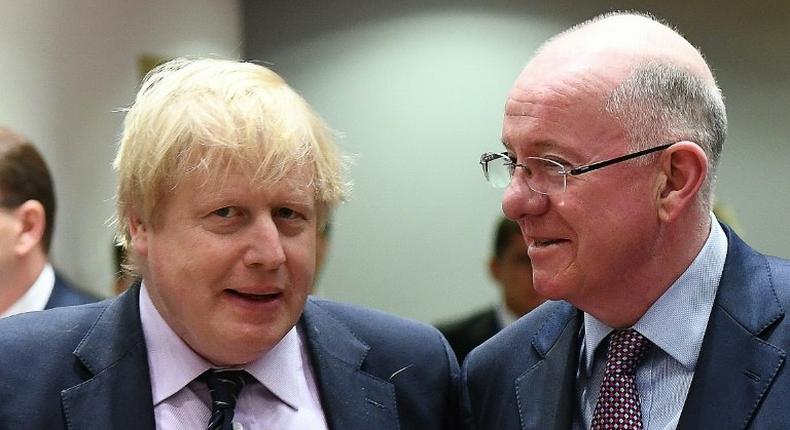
<point>660,317</point>
<point>225,177</point>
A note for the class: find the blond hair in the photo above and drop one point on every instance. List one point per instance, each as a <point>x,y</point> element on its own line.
<point>209,116</point>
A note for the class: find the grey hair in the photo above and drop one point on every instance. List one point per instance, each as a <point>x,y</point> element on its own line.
<point>664,103</point>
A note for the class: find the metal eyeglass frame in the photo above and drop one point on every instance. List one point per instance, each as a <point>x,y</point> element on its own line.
<point>490,156</point>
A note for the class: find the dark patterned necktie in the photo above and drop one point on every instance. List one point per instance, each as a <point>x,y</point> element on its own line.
<point>224,386</point>
<point>618,405</point>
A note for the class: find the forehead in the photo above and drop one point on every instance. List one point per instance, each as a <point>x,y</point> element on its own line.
<point>297,180</point>
<point>240,186</point>
<point>558,109</point>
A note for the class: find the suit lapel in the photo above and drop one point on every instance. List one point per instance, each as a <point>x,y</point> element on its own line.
<point>350,397</point>
<point>736,367</point>
<point>118,395</point>
<point>546,392</point>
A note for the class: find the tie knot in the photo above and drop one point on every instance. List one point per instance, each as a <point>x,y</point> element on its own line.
<point>224,386</point>
<point>627,348</point>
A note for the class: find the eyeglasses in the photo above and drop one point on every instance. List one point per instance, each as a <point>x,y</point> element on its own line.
<point>544,176</point>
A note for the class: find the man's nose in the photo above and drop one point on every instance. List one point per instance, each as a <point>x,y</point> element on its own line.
<point>519,200</point>
<point>264,248</point>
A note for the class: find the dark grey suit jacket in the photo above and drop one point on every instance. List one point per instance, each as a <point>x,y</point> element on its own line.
<point>468,333</point>
<point>65,294</point>
<point>524,378</point>
<point>86,367</point>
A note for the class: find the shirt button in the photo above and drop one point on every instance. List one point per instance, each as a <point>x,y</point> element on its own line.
<point>237,426</point>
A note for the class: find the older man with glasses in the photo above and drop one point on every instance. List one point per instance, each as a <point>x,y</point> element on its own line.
<point>661,318</point>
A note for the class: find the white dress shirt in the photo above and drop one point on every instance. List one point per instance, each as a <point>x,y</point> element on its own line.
<point>284,396</point>
<point>37,296</point>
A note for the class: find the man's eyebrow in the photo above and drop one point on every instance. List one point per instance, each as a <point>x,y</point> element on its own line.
<point>541,145</point>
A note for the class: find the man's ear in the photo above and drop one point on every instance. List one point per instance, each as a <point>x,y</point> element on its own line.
<point>32,223</point>
<point>138,230</point>
<point>684,168</point>
<point>494,269</point>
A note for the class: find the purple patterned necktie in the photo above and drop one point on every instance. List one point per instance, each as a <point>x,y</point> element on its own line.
<point>618,404</point>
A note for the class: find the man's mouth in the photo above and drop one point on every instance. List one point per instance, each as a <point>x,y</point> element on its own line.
<point>546,242</point>
<point>267,297</point>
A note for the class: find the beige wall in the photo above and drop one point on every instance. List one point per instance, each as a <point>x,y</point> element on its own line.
<point>415,87</point>
<point>66,65</point>
<point>417,90</point>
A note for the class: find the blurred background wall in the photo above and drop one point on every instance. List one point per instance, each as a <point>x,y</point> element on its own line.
<point>415,90</point>
<point>66,66</point>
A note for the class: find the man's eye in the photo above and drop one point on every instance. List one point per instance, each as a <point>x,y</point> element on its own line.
<point>287,213</point>
<point>226,212</point>
<point>560,161</point>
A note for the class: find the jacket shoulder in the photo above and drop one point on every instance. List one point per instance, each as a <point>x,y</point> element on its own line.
<point>379,329</point>
<point>64,293</point>
<point>37,353</point>
<point>519,339</point>
<point>467,333</point>
<point>44,339</point>
<point>411,357</point>
<point>57,326</point>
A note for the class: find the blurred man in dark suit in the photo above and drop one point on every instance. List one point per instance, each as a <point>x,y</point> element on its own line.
<point>512,270</point>
<point>27,218</point>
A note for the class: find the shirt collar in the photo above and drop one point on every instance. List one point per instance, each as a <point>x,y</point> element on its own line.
<point>676,322</point>
<point>282,369</point>
<point>174,365</point>
<point>37,296</point>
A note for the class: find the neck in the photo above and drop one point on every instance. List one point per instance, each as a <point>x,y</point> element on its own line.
<point>19,278</point>
<point>677,247</point>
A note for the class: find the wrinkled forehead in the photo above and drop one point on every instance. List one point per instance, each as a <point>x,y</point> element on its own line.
<point>561,107</point>
<point>549,88</point>
<point>571,73</point>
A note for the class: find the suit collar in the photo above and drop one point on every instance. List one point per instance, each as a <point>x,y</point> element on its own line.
<point>746,291</point>
<point>350,397</point>
<point>735,369</point>
<point>557,345</point>
<point>118,395</point>
<point>736,366</point>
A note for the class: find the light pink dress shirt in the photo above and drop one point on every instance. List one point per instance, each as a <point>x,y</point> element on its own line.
<point>284,397</point>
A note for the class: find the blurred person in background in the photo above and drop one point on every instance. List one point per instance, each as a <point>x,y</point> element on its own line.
<point>28,282</point>
<point>511,269</point>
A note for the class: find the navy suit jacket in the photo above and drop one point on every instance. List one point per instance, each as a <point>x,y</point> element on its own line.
<point>524,378</point>
<point>86,367</point>
<point>468,333</point>
<point>64,294</point>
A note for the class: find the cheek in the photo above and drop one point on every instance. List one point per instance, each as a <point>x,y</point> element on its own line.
<point>300,259</point>
<point>190,259</point>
